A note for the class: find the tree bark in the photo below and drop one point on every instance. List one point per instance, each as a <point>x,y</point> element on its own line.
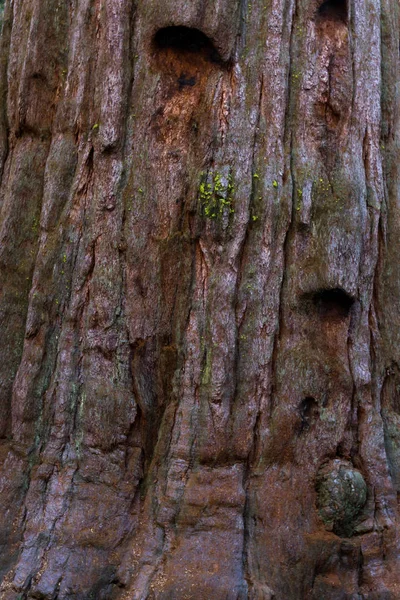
<point>200,300</point>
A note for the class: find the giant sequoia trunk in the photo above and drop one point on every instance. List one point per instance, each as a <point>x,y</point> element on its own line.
<point>200,300</point>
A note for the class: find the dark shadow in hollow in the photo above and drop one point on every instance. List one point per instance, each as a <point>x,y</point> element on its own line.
<point>186,40</point>
<point>333,303</point>
<point>333,10</point>
<point>308,410</point>
<point>329,304</point>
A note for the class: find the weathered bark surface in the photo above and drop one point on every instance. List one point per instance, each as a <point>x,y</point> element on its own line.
<point>200,300</point>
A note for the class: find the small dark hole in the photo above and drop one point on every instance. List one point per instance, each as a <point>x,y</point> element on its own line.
<point>184,81</point>
<point>334,303</point>
<point>186,39</point>
<point>308,410</point>
<point>334,10</point>
<point>38,77</point>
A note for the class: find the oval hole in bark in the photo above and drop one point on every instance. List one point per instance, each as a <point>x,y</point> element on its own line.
<point>186,41</point>
<point>333,10</point>
<point>333,303</point>
<point>308,410</point>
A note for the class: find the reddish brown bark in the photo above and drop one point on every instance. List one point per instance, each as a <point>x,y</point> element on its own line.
<point>200,300</point>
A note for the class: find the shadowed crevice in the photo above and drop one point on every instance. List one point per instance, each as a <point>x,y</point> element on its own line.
<point>308,410</point>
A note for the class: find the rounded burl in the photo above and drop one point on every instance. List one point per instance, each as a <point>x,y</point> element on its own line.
<point>342,494</point>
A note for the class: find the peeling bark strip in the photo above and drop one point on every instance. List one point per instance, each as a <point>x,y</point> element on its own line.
<point>200,300</point>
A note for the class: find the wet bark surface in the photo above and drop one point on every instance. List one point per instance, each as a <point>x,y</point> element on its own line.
<point>200,300</point>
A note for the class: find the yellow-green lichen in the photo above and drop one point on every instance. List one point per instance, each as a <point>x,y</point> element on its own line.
<point>216,195</point>
<point>299,199</point>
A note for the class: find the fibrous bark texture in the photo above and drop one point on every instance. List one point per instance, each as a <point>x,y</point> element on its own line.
<point>200,300</point>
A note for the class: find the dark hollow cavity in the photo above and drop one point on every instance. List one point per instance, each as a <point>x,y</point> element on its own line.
<point>333,10</point>
<point>308,410</point>
<point>333,303</point>
<point>186,40</point>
